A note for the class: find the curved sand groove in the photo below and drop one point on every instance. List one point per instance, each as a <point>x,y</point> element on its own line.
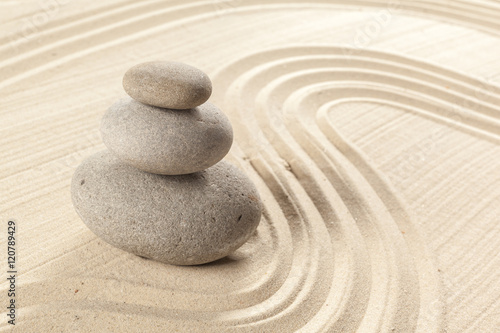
<point>265,102</point>
<point>260,310</point>
<point>336,250</point>
<point>101,30</point>
<point>348,250</point>
<point>270,96</point>
<point>363,212</point>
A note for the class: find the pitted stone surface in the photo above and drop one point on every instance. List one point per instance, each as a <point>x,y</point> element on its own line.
<point>167,84</point>
<point>181,220</point>
<point>166,141</point>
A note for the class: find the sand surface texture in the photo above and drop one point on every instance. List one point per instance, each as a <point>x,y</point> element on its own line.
<point>370,129</point>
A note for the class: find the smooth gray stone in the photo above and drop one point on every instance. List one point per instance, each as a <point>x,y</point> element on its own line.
<point>166,84</point>
<point>181,220</point>
<point>166,141</point>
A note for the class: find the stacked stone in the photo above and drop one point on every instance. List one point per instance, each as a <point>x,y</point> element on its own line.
<point>161,191</point>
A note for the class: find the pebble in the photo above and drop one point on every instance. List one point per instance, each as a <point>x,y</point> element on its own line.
<point>165,84</point>
<point>166,141</point>
<point>181,220</point>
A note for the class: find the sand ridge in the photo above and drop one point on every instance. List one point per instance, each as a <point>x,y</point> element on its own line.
<point>376,165</point>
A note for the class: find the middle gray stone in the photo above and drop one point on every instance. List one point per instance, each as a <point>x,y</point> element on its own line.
<point>166,141</point>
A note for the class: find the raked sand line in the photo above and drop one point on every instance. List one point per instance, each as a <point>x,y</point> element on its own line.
<point>447,90</point>
<point>74,39</point>
<point>313,272</point>
<point>336,250</point>
<point>56,29</point>
<point>213,301</point>
<point>330,254</point>
<point>273,102</point>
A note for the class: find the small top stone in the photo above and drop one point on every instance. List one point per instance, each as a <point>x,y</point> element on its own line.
<point>166,84</point>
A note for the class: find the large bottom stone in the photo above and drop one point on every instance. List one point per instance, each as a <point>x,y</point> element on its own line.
<point>181,220</point>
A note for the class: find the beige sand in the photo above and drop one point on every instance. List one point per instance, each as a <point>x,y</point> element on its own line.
<point>371,131</point>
